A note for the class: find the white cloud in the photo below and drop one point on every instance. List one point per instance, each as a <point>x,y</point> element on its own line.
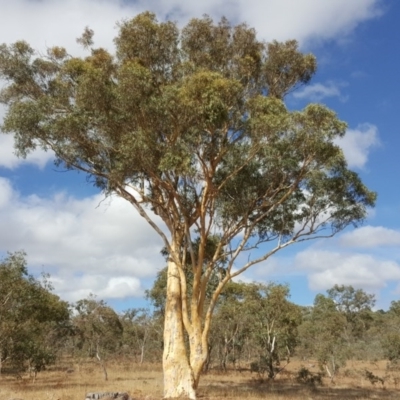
<point>86,245</point>
<point>357,143</point>
<point>74,288</point>
<point>9,160</point>
<point>327,268</point>
<point>306,20</point>
<point>6,192</point>
<point>370,237</point>
<point>51,22</point>
<point>318,91</point>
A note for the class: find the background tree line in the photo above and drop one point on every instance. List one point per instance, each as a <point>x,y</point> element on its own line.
<point>256,327</point>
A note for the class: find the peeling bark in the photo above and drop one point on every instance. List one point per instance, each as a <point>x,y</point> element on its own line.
<point>198,356</point>
<point>178,375</point>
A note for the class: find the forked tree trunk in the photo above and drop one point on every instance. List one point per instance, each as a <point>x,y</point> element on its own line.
<point>178,376</point>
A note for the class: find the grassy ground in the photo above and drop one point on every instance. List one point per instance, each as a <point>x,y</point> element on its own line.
<point>145,383</point>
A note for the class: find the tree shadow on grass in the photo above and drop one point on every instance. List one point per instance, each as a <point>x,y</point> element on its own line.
<point>275,390</point>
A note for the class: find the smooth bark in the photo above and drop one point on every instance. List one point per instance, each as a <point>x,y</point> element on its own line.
<point>198,355</point>
<point>105,374</point>
<point>179,380</point>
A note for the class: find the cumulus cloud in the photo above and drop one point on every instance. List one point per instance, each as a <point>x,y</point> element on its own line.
<point>308,20</point>
<point>50,23</point>
<point>6,193</point>
<point>357,144</point>
<point>87,245</point>
<point>9,160</point>
<point>370,237</point>
<point>55,22</point>
<point>103,286</point>
<point>327,268</point>
<point>318,91</point>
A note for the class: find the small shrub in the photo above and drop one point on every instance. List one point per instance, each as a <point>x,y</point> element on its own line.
<point>373,378</point>
<point>305,376</point>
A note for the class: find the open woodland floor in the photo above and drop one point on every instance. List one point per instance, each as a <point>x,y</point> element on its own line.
<point>145,382</point>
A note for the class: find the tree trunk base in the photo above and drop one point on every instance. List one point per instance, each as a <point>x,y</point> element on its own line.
<point>178,382</point>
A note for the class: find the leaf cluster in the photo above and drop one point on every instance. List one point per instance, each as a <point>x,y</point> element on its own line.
<point>196,113</point>
<point>33,321</point>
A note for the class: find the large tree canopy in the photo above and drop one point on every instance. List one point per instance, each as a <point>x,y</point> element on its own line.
<point>191,125</point>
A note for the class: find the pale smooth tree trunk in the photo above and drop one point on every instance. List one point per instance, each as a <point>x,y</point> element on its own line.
<point>141,354</point>
<point>101,363</point>
<point>142,347</point>
<point>178,375</point>
<point>198,355</point>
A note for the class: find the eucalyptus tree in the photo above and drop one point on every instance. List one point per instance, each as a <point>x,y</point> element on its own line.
<point>356,305</point>
<point>390,337</point>
<point>321,335</point>
<point>34,322</point>
<point>98,330</point>
<point>142,334</point>
<point>336,327</point>
<point>231,327</point>
<point>274,326</point>
<point>191,125</point>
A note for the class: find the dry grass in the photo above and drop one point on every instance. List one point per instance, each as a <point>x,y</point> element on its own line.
<point>145,382</point>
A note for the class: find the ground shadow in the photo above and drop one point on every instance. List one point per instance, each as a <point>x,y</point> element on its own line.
<point>291,389</point>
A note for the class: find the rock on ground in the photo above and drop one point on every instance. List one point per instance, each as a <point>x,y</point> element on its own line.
<point>108,396</point>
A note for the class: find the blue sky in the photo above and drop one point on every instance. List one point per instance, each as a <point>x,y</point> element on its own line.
<point>91,244</point>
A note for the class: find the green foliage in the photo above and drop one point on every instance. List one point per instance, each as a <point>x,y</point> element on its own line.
<point>275,323</point>
<point>158,293</point>
<point>142,335</point>
<point>196,113</point>
<point>356,305</point>
<point>338,326</point>
<point>86,40</point>
<point>231,325</point>
<point>34,322</point>
<point>395,308</point>
<point>98,329</point>
<point>322,333</point>
<point>260,318</point>
<point>390,337</point>
<point>391,346</point>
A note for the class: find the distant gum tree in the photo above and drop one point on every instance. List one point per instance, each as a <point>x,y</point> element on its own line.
<point>98,330</point>
<point>34,322</point>
<point>191,125</point>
